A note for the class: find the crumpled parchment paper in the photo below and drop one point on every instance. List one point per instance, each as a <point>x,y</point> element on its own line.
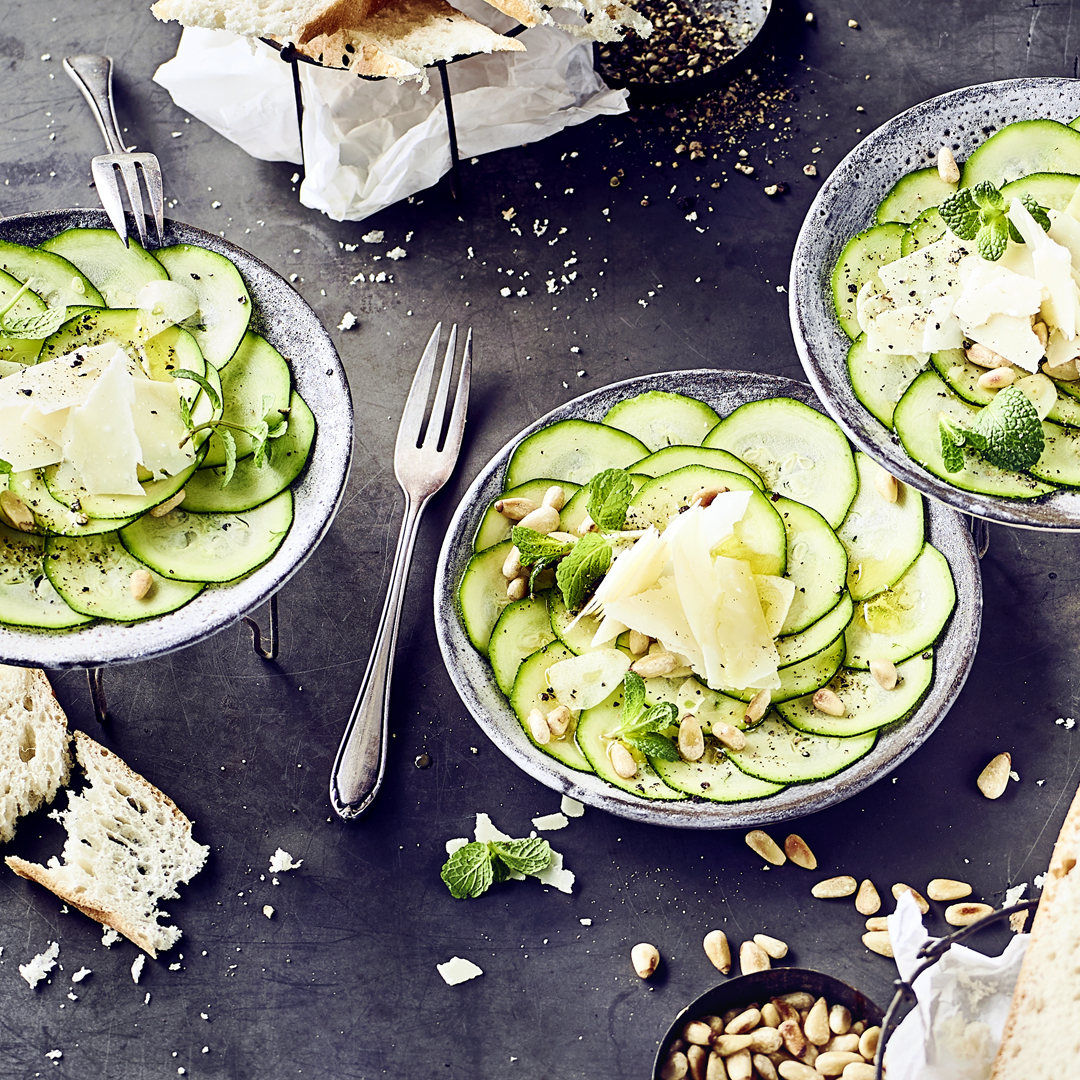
<point>369,144</point>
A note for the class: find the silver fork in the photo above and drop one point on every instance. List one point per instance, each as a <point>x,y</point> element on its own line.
<point>421,470</point>
<point>93,76</point>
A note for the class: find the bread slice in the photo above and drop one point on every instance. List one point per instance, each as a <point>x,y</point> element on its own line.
<point>1041,1040</point>
<point>601,20</point>
<point>35,760</point>
<point>290,20</point>
<point>127,847</point>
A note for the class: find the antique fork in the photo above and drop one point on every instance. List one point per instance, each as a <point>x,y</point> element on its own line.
<point>421,470</point>
<point>93,76</point>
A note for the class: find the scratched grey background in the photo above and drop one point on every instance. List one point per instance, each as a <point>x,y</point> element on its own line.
<point>342,982</point>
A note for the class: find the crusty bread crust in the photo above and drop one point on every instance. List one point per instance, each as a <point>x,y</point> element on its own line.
<point>1041,1040</point>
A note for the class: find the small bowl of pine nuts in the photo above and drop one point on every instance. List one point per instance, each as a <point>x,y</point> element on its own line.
<point>780,1024</point>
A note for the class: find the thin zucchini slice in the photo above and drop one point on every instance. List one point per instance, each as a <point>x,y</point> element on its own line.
<point>531,691</point>
<point>905,619</point>
<point>27,596</point>
<point>671,458</point>
<point>714,777</point>
<point>522,629</point>
<point>482,594</point>
<point>818,635</point>
<point>880,379</point>
<point>1059,462</point>
<point>494,527</point>
<point>55,517</point>
<point>117,272</point>
<point>863,254</point>
<point>56,280</point>
<point>662,419</point>
<point>798,452</point>
<point>912,195</point>
<point>927,228</point>
<point>574,450</point>
<point>802,677</point>
<point>93,575</point>
<point>577,638</point>
<point>816,562</point>
<point>1022,148</point>
<point>1051,190</point>
<point>209,547</point>
<point>19,350</point>
<point>882,538</point>
<point>867,707</point>
<point>65,487</point>
<point>777,752</point>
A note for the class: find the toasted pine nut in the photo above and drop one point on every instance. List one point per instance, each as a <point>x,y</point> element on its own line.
<point>996,378</point>
<point>169,504</point>
<point>947,168</point>
<point>758,707</point>
<point>1041,332</point>
<point>830,888</point>
<point>704,496</point>
<point>716,1069</point>
<point>740,1065</point>
<point>516,589</point>
<point>794,1039</point>
<point>764,845</point>
<point>16,511</point>
<point>559,720</point>
<point>511,567</point>
<point>799,999</point>
<point>697,1057</point>
<point>826,701</point>
<point>878,941</point>
<point>844,1043</point>
<point>555,497</point>
<point>816,1024</point>
<point>964,914</point>
<point>885,673</point>
<point>887,486</point>
<point>995,777</point>
<point>544,519</point>
<point>697,1032</point>
<point>515,509</point>
<point>538,727</point>
<point>622,761</point>
<point>900,888</point>
<point>718,950</point>
<point>859,1027</point>
<point>943,888</point>
<point>765,1040</point>
<point>645,959</point>
<point>141,583</point>
<point>639,643</point>
<point>981,356</point>
<point>798,851</point>
<point>867,901</point>
<point>586,525</point>
<point>786,1011</point>
<point>839,1019</point>
<point>877,922</point>
<point>726,1045</point>
<point>833,1062</point>
<point>691,739</point>
<point>858,1071</point>
<point>764,1067</point>
<point>655,665</point>
<point>752,958</point>
<point>729,735</point>
<point>676,1067</point>
<point>771,946</point>
<point>770,1017</point>
<point>868,1042</point>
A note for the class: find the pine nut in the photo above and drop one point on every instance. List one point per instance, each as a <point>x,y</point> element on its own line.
<point>981,356</point>
<point>716,1069</point>
<point>833,1062</point>
<point>1041,332</point>
<point>943,888</point>
<point>729,735</point>
<point>771,946</point>
<point>965,914</point>
<point>726,1045</point>
<point>622,761</point>
<point>995,777</point>
<point>900,888</point>
<point>761,843</point>
<point>887,486</point>
<point>676,1066</point>
<point>554,497</point>
<point>645,959</point>
<point>947,168</point>
<point>697,1032</point>
<point>770,1016</point>
<point>559,720</point>
<point>16,511</point>
<point>511,567</point>
<point>826,701</point>
<point>868,1042</point>
<point>830,888</point>
<point>744,1023</point>
<point>538,727</point>
<point>816,1024</point>
<point>169,504</point>
<point>796,1070</point>
<point>697,1058</point>
<point>878,941</point>
<point>859,1027</point>
<point>879,922</point>
<point>691,739</point>
<point>718,950</point>
<point>639,643</point>
<point>740,1066</point>
<point>798,851</point>
<point>140,584</point>
<point>848,1043</point>
<point>867,901</point>
<point>704,496</point>
<point>655,665</point>
<point>516,589</point>
<point>515,509</point>
<point>758,707</point>
<point>764,1067</point>
<point>859,1071</point>
<point>544,519</point>
<point>752,958</point>
<point>810,1054</point>
<point>799,999</point>
<point>587,525</point>
<point>787,1012</point>
<point>996,378</point>
<point>839,1019</point>
<point>765,1040</point>
<point>885,673</point>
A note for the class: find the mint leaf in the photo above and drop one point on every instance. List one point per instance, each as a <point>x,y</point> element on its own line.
<point>1011,429</point>
<point>654,719</point>
<point>582,567</point>
<point>633,700</point>
<point>259,435</point>
<point>987,197</point>
<point>5,466</point>
<point>37,326</point>
<point>530,856</point>
<point>534,546</point>
<point>1036,211</point>
<point>610,493</point>
<point>195,377</point>
<point>961,214</point>
<point>468,872</point>
<point>951,442</point>
<point>653,745</point>
<point>538,567</point>
<point>993,238</point>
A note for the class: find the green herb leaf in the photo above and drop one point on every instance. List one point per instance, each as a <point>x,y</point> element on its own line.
<point>993,238</point>
<point>538,567</point>
<point>468,872</point>
<point>1011,430</point>
<point>228,444</point>
<point>951,453</point>
<point>534,545</point>
<point>5,466</point>
<point>259,435</point>
<point>656,718</point>
<point>582,567</point>
<point>1036,211</point>
<point>195,377</point>
<point>654,745</point>
<point>633,700</point>
<point>529,856</point>
<point>36,327</point>
<point>961,214</point>
<point>610,493</point>
<point>987,197</point>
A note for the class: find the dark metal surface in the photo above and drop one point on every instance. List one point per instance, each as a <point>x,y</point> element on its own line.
<point>341,981</point>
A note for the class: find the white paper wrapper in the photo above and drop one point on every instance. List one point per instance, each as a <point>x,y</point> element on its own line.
<point>955,1029</point>
<point>369,144</point>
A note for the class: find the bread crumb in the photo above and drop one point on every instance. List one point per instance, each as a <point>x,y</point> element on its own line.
<point>110,937</point>
<point>38,968</point>
<point>1067,722</point>
<point>396,253</point>
<point>458,970</point>
<point>137,966</point>
<point>80,974</point>
<point>585,922</point>
<point>268,911</point>
<point>571,807</point>
<point>174,967</point>
<point>504,291</point>
<point>373,237</point>
<point>295,176</point>
<point>348,321</point>
<point>55,1055</point>
<point>281,861</point>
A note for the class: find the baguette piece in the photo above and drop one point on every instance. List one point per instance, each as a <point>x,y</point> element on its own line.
<point>128,846</point>
<point>1041,1040</point>
<point>35,760</point>
<point>291,20</point>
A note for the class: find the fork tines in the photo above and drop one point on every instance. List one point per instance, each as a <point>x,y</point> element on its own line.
<point>104,169</point>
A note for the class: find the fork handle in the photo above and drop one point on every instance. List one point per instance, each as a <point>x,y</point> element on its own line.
<point>361,759</point>
<point>93,76</point>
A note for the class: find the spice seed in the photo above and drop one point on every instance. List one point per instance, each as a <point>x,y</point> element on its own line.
<point>764,845</point>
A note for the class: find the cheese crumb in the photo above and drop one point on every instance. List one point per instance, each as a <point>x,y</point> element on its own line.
<point>585,922</point>
<point>268,911</point>
<point>571,807</point>
<point>456,844</point>
<point>396,253</point>
<point>55,1055</point>
<point>110,937</point>
<point>38,968</point>
<point>348,321</point>
<point>551,822</point>
<point>80,974</point>
<point>281,861</point>
<point>504,291</point>
<point>458,970</point>
<point>137,966</point>
<point>295,176</point>
<point>556,876</point>
<point>373,237</point>
<point>1067,722</point>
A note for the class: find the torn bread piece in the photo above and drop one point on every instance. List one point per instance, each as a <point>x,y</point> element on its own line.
<point>297,21</point>
<point>35,759</point>
<point>128,846</point>
<point>601,20</point>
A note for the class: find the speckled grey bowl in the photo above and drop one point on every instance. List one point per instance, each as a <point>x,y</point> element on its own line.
<point>472,675</point>
<point>846,204</point>
<point>283,317</point>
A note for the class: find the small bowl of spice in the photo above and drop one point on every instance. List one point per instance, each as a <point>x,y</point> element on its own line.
<point>689,51</point>
<point>778,1024</point>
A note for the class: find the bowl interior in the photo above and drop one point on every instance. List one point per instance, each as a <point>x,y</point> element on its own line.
<point>846,204</point>
<point>283,317</point>
<point>473,678</point>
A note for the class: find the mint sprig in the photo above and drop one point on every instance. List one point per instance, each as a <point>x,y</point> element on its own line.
<point>610,493</point>
<point>979,214</point>
<point>534,546</point>
<point>586,562</point>
<point>1008,433</point>
<point>475,867</point>
<point>640,725</point>
<point>35,327</point>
